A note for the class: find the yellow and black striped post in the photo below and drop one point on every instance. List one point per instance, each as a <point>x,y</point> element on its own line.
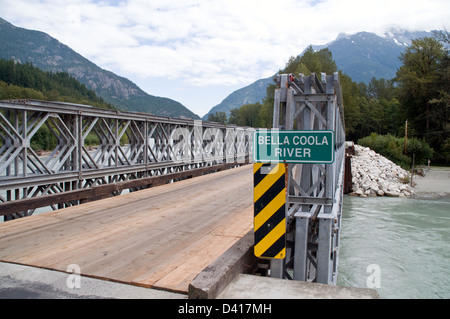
<point>269,199</point>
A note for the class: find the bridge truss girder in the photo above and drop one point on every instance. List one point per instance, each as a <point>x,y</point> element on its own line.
<point>129,146</point>
<point>314,191</point>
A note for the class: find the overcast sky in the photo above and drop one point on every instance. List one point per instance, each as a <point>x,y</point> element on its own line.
<point>199,51</point>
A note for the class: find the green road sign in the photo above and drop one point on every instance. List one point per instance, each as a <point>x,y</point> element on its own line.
<point>301,147</point>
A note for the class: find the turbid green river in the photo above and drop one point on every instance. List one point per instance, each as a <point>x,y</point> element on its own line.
<point>398,246</point>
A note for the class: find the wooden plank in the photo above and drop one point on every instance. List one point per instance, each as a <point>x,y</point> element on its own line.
<point>160,237</point>
<point>204,253</point>
<point>101,191</point>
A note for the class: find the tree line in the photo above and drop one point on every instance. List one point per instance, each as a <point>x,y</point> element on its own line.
<point>24,81</point>
<point>415,103</point>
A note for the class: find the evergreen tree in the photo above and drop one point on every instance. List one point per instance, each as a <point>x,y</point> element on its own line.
<point>381,89</point>
<point>423,86</point>
<point>219,117</point>
<point>26,81</point>
<point>247,115</point>
<point>417,79</point>
<point>311,62</point>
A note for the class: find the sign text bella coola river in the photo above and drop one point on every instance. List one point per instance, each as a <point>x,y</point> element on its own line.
<point>307,147</point>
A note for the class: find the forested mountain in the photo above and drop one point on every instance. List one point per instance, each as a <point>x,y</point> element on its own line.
<point>249,94</point>
<point>377,112</point>
<point>26,81</point>
<point>49,54</point>
<point>362,56</point>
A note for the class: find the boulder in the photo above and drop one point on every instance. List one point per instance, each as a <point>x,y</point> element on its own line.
<point>392,194</point>
<point>375,175</point>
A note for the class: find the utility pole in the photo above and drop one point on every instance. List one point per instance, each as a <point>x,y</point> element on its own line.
<point>406,135</point>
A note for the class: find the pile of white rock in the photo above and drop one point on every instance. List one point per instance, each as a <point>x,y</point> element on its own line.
<point>375,175</point>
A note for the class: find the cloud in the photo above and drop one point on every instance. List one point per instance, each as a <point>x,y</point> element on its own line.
<point>212,42</point>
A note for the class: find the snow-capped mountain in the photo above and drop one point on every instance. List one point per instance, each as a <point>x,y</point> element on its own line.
<point>362,56</point>
<point>365,55</point>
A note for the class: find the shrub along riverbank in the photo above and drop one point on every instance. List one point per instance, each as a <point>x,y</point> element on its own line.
<point>393,148</point>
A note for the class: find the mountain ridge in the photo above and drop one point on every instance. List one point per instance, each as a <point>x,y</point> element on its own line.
<point>362,56</point>
<point>48,54</point>
<point>252,93</point>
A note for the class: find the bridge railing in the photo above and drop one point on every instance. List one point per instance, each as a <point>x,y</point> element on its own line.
<point>125,146</point>
<point>314,191</point>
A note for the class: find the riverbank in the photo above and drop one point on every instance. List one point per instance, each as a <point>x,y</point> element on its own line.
<point>435,184</point>
<point>374,175</point>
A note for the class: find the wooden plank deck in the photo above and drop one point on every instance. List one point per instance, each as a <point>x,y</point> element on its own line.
<point>161,237</point>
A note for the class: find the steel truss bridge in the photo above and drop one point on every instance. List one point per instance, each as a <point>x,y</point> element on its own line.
<point>135,151</point>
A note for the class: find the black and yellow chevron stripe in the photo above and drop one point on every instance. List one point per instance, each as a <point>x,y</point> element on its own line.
<point>269,207</point>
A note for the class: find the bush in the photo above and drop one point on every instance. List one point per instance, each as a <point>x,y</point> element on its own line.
<point>421,149</point>
<point>393,148</point>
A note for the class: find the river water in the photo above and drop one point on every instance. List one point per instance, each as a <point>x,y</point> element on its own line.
<point>398,246</point>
